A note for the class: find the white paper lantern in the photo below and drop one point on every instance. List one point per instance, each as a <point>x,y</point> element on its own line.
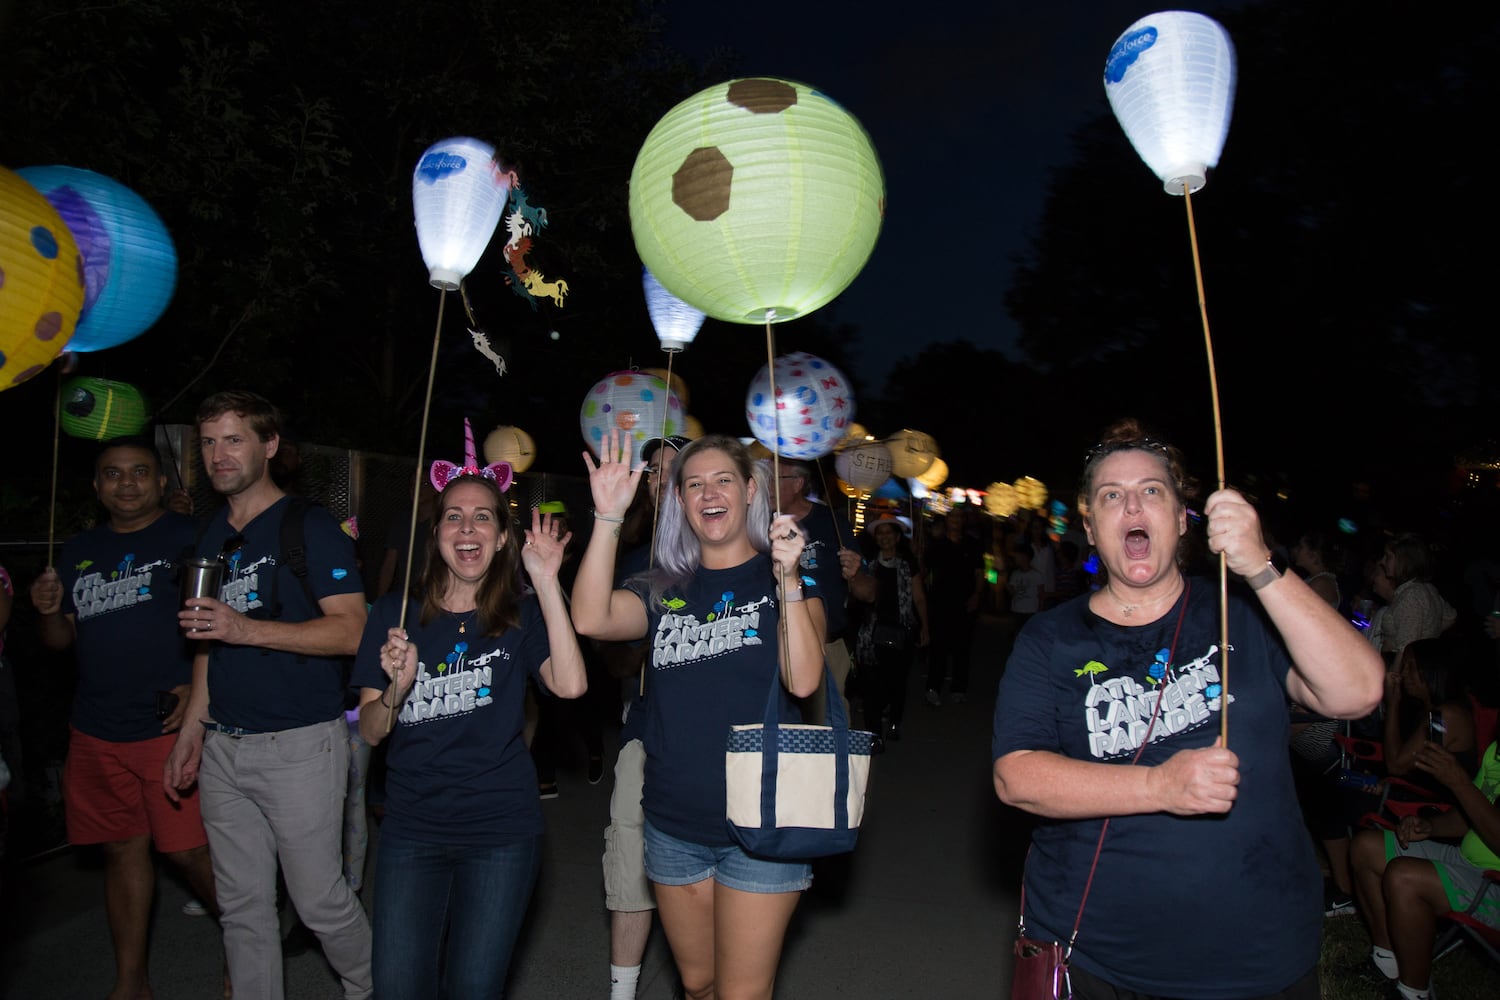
<point>936,474</point>
<point>676,322</point>
<point>512,446</point>
<point>912,452</point>
<point>458,192</point>
<point>865,467</point>
<point>1170,81</point>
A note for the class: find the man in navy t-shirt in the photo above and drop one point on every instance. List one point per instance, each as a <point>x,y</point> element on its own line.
<point>115,601</point>
<point>266,717</point>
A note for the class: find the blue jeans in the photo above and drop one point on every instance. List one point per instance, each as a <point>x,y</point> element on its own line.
<point>481,893</point>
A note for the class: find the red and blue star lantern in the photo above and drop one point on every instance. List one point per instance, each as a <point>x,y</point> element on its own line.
<point>811,411</point>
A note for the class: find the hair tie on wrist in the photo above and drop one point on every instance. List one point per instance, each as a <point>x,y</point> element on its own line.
<point>605,517</point>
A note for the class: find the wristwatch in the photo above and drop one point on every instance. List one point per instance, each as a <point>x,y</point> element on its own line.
<point>1265,577</point>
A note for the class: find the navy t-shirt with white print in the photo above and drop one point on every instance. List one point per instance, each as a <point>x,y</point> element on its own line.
<point>266,690</point>
<point>122,589</point>
<point>457,768</point>
<point>712,662</point>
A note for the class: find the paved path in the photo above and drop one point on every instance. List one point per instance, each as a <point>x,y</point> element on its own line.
<point>925,907</point>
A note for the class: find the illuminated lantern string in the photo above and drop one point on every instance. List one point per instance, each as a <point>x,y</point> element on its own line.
<point>129,262</point>
<point>864,467</point>
<point>810,412</point>
<point>512,446</point>
<point>41,281</point>
<point>757,200</point>
<point>936,474</point>
<point>458,194</point>
<point>912,452</point>
<point>99,409</point>
<point>639,406</point>
<point>1170,81</point>
<point>676,322</point>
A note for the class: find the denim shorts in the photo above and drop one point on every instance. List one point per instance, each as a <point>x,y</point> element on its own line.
<point>670,861</point>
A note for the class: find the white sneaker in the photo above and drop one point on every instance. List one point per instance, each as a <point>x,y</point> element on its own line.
<point>194,908</point>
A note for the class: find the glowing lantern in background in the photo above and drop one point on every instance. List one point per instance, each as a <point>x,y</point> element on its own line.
<point>512,446</point>
<point>865,467</point>
<point>676,383</point>
<point>99,409</point>
<point>1000,499</point>
<point>638,405</point>
<point>1030,493</point>
<point>676,323</point>
<point>41,281</point>
<point>814,404</point>
<point>757,200</point>
<point>458,193</point>
<point>936,474</point>
<point>129,262</point>
<point>692,427</point>
<point>856,434</point>
<point>1170,82</point>
<point>912,452</point>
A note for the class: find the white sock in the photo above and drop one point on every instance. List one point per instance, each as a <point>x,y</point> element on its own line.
<point>1412,993</point>
<point>622,980</point>
<point>1385,961</point>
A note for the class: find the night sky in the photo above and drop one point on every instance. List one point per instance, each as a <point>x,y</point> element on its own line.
<point>968,111</point>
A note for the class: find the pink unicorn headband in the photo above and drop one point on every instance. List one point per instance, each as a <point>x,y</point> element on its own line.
<point>443,473</point>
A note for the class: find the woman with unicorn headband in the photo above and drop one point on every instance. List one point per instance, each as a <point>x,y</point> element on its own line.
<point>462,838</point>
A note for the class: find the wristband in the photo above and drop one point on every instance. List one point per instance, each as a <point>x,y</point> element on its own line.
<point>605,517</point>
<point>1265,577</point>
<point>788,596</point>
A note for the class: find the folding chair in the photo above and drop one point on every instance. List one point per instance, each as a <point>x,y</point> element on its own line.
<point>1467,926</point>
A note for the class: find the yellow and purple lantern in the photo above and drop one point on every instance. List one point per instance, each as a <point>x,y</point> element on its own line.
<point>41,281</point>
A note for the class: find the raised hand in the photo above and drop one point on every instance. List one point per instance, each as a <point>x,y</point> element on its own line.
<point>1234,530</point>
<point>542,555</point>
<point>612,481</point>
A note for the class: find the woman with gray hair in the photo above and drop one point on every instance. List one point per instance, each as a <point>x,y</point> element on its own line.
<point>725,577</point>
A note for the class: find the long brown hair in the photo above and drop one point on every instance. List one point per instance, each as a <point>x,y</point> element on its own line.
<point>499,593</point>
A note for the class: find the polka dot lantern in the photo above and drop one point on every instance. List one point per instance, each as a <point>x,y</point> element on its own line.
<point>41,281</point>
<point>756,200</point>
<point>129,262</point>
<point>98,409</point>
<point>811,413</point>
<point>638,405</point>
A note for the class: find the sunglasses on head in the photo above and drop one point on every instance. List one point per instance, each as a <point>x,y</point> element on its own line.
<point>232,546</point>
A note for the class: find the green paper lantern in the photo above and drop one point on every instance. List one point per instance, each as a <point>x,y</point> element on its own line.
<point>757,200</point>
<point>99,409</point>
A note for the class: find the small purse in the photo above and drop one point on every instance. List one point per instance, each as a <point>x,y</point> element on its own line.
<point>893,636</point>
<point>796,791</point>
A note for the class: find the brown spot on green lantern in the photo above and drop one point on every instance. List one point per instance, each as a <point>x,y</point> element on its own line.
<point>700,187</point>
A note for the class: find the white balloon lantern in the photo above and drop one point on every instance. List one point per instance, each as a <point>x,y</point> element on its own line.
<point>458,194</point>
<point>1170,81</point>
<point>936,474</point>
<point>811,411</point>
<point>512,446</point>
<point>676,322</point>
<point>912,452</point>
<point>864,467</point>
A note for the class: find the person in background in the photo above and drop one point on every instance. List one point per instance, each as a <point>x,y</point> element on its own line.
<point>264,735</point>
<point>1414,609</point>
<point>954,584</point>
<point>116,602</point>
<point>461,842</point>
<point>895,625</point>
<point>721,561</point>
<point>1109,712</point>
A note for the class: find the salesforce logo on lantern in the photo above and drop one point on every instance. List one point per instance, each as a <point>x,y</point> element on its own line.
<point>435,166</point>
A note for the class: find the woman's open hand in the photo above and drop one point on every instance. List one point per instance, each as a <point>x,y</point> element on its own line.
<point>612,481</point>
<point>542,555</point>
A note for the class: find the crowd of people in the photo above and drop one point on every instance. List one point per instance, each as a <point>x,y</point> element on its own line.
<point>234,740</point>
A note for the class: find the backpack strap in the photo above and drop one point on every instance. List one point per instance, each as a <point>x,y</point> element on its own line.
<point>294,543</point>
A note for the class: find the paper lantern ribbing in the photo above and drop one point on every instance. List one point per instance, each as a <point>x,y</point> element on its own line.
<point>864,467</point>
<point>512,446</point>
<point>936,474</point>
<point>129,262</point>
<point>676,323</point>
<point>756,200</point>
<point>1170,82</point>
<point>458,193</point>
<point>41,281</point>
<point>812,410</point>
<point>99,409</point>
<point>638,405</point>
<point>912,453</point>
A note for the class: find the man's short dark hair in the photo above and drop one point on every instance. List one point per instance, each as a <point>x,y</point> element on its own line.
<point>128,441</point>
<point>257,411</point>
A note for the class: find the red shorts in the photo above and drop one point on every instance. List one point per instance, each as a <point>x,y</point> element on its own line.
<point>113,791</point>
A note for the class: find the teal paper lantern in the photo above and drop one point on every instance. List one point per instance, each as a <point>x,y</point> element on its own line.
<point>129,262</point>
<point>757,200</point>
<point>99,409</point>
